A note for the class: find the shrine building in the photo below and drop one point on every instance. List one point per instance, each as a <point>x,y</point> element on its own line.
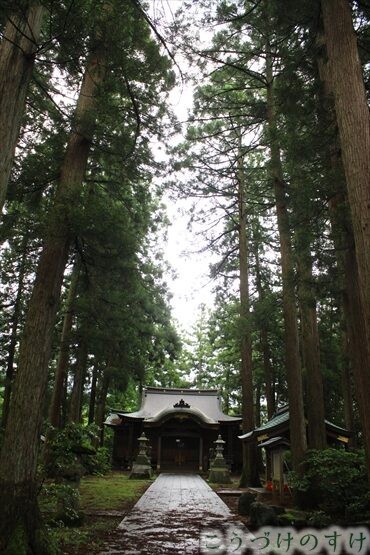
<point>181,425</point>
<point>274,437</point>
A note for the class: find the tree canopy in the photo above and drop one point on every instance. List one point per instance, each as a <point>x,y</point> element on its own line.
<point>273,158</point>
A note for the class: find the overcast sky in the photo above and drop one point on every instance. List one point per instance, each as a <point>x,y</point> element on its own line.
<point>192,286</point>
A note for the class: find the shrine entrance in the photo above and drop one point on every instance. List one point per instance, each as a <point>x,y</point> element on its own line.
<point>181,452</point>
<point>180,444</point>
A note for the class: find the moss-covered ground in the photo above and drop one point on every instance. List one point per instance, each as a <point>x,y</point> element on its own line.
<point>105,500</point>
<point>110,492</point>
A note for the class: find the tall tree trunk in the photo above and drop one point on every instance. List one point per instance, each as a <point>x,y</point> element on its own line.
<point>258,405</point>
<point>349,417</point>
<point>315,405</point>
<point>92,400</point>
<point>293,364</point>
<point>64,406</point>
<point>354,131</point>
<point>226,391</point>
<point>264,342</point>
<point>19,516</point>
<point>101,404</point>
<point>268,372</point>
<point>260,463</point>
<point>17,55</point>
<point>250,460</point>
<point>14,333</point>
<point>62,366</point>
<point>75,407</point>
<point>358,347</point>
<point>344,242</point>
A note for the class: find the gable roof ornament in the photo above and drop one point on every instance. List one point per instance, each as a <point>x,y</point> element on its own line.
<point>181,405</point>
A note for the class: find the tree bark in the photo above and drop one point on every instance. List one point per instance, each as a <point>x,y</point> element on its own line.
<point>17,56</point>
<point>250,475</point>
<point>358,348</point>
<point>14,333</point>
<point>62,366</point>
<point>75,407</point>
<point>349,417</point>
<point>64,406</point>
<point>264,343</point>
<point>292,356</point>
<point>347,260</point>
<point>101,405</point>
<point>92,400</point>
<point>18,459</point>
<point>315,405</point>
<point>354,131</point>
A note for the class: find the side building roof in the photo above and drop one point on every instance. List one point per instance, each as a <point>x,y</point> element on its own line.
<point>280,422</point>
<point>158,403</point>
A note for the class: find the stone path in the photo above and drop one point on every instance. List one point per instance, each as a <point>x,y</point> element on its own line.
<point>169,517</point>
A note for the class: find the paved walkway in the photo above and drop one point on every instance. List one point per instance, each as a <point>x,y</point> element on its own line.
<point>169,517</point>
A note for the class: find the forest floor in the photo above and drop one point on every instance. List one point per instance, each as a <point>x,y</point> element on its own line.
<point>179,514</point>
<point>105,501</point>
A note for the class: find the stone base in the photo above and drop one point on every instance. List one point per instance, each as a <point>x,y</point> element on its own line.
<point>141,471</point>
<point>219,476</point>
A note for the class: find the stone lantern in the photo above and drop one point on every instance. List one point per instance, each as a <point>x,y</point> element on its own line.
<point>141,467</point>
<point>219,472</point>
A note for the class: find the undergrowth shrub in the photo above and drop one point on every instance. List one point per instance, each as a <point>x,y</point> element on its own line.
<point>98,463</point>
<point>63,504</point>
<point>334,481</point>
<point>70,451</point>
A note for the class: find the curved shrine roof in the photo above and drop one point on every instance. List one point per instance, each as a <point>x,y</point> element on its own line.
<point>158,403</point>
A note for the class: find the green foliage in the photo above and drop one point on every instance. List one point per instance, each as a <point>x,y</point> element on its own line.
<point>98,463</point>
<point>210,356</point>
<point>69,452</point>
<point>63,502</point>
<point>333,481</point>
<point>97,493</point>
<point>319,519</point>
<point>43,544</point>
<point>121,311</point>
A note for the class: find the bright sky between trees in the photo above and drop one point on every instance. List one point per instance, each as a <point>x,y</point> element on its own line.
<point>189,282</point>
<point>191,286</point>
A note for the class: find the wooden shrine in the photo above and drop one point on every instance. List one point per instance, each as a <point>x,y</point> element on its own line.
<point>274,437</point>
<point>181,426</point>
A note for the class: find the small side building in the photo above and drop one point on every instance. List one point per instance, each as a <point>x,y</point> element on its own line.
<point>274,437</point>
<point>181,425</point>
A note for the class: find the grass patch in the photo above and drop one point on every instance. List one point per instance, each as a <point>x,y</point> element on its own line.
<point>89,538</point>
<point>113,492</point>
<point>109,492</point>
<point>234,484</point>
